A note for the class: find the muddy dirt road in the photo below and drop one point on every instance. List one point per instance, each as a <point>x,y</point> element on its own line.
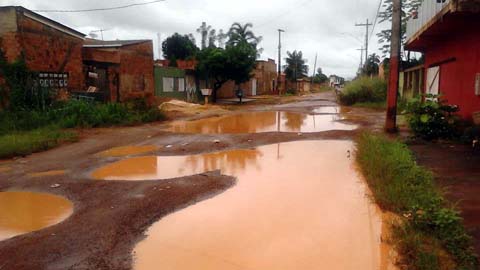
<point>110,217</point>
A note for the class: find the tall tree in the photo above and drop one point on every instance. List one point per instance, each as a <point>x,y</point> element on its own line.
<point>320,77</point>
<point>178,47</point>
<point>372,65</point>
<point>203,30</point>
<point>409,8</point>
<point>243,33</point>
<point>235,62</point>
<point>295,67</point>
<point>221,37</point>
<point>212,38</point>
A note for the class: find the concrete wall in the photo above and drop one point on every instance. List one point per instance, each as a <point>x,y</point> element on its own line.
<point>46,49</point>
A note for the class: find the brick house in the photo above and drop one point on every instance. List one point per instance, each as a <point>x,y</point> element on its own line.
<point>48,47</point>
<point>447,33</point>
<point>263,81</point>
<point>119,70</point>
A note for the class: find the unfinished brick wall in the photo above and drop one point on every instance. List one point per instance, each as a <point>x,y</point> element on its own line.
<point>45,49</point>
<point>136,71</point>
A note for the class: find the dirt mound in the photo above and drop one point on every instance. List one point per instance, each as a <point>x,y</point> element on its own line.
<point>175,108</point>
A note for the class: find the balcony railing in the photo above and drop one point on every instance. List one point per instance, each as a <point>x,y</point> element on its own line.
<point>426,12</point>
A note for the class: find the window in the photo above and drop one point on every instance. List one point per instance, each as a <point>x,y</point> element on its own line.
<point>168,84</point>
<point>433,80</point>
<point>181,84</point>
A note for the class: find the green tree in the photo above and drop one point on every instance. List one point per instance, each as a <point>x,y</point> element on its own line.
<point>372,65</point>
<point>235,62</point>
<point>409,8</point>
<point>295,67</point>
<point>178,47</point>
<point>243,33</point>
<point>320,77</point>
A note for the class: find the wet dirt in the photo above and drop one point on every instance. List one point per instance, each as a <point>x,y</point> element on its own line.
<point>24,212</point>
<point>257,122</point>
<point>47,173</point>
<point>4,169</point>
<point>122,151</point>
<point>327,110</point>
<point>298,205</point>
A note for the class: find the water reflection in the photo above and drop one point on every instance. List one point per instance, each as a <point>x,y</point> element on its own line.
<point>300,206</point>
<point>23,212</point>
<point>256,122</point>
<point>151,167</point>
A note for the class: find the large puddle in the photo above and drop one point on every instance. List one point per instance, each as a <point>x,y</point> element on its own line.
<point>256,122</point>
<point>23,212</point>
<point>298,205</point>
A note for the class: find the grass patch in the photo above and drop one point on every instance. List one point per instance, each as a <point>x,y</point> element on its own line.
<point>432,235</point>
<point>364,90</point>
<point>380,105</point>
<point>28,142</point>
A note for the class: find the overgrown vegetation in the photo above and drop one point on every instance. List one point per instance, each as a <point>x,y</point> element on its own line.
<point>364,89</point>
<point>28,142</point>
<point>433,118</point>
<point>431,235</point>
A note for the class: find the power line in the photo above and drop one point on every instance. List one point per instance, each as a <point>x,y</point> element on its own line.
<point>284,13</point>
<point>98,9</point>
<point>376,19</point>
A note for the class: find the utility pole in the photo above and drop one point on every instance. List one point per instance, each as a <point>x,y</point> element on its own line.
<point>367,25</point>
<point>280,31</point>
<point>361,57</point>
<point>314,67</point>
<point>391,122</point>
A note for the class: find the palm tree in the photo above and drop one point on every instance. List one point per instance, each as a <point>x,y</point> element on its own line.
<point>239,33</point>
<point>204,30</point>
<point>295,67</point>
<point>372,65</point>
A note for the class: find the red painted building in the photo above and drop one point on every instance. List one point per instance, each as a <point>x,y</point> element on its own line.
<point>448,34</point>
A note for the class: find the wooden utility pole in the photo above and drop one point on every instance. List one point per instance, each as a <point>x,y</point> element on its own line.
<point>367,25</point>
<point>280,31</point>
<point>393,82</point>
<point>361,58</point>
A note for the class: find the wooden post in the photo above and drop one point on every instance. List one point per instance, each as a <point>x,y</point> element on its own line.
<point>391,121</point>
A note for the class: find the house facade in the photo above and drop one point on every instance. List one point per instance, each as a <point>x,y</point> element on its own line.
<point>446,32</point>
<point>49,48</point>
<point>263,81</point>
<point>119,70</point>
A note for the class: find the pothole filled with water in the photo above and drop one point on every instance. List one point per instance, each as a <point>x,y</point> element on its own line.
<point>128,151</point>
<point>256,122</point>
<point>24,212</point>
<point>298,205</point>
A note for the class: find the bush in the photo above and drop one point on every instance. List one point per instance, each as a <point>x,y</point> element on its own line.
<point>401,186</point>
<point>364,90</point>
<point>24,143</point>
<point>433,118</point>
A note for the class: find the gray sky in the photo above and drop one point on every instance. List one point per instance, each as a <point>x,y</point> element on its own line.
<point>326,27</point>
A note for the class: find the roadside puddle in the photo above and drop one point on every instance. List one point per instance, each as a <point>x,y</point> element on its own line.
<point>24,212</point>
<point>256,122</point>
<point>298,205</point>
<point>123,151</point>
<point>327,110</point>
<point>48,173</point>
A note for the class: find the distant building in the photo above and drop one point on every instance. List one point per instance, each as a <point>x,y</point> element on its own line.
<point>263,81</point>
<point>49,48</point>
<point>447,32</point>
<point>119,70</point>
<point>336,81</point>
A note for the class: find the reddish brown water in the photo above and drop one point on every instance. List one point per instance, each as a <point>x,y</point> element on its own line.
<point>256,122</point>
<point>128,150</point>
<point>23,212</point>
<point>297,205</point>
<point>47,173</point>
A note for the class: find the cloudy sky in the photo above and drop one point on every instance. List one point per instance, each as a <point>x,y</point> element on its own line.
<point>326,27</point>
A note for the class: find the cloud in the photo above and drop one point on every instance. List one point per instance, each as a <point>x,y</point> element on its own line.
<point>315,27</point>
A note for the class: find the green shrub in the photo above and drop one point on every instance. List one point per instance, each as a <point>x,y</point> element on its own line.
<point>28,142</point>
<point>401,186</point>
<point>433,118</point>
<point>363,90</point>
